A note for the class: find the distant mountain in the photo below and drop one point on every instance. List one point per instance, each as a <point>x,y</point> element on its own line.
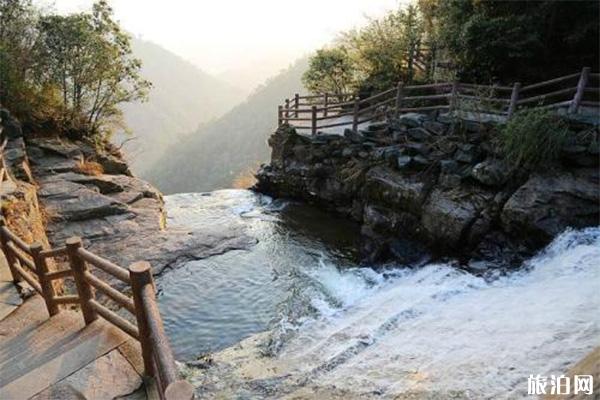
<point>182,98</point>
<point>219,151</point>
<point>250,74</point>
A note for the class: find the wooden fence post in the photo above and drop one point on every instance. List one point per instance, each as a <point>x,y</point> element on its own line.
<point>10,258</point>
<point>454,96</point>
<point>84,289</point>
<point>140,274</point>
<point>583,80</point>
<point>279,115</point>
<point>514,98</point>
<point>296,104</point>
<point>314,120</point>
<point>355,114</point>
<point>399,95</point>
<point>287,110</point>
<point>41,268</point>
<point>326,104</point>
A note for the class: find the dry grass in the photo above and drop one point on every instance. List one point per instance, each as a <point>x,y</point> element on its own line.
<point>27,219</point>
<point>89,168</point>
<point>24,219</point>
<point>245,179</point>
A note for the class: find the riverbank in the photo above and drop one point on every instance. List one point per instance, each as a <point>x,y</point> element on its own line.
<point>420,184</point>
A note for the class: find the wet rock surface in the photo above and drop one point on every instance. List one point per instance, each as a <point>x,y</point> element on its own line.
<point>119,217</point>
<point>432,181</point>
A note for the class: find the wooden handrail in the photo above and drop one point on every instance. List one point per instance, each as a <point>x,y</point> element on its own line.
<point>25,275</point>
<point>428,86</point>
<point>547,95</point>
<point>492,87</point>
<point>451,91</point>
<point>15,239</point>
<point>109,291</point>
<point>158,357</point>
<point>155,345</point>
<point>20,256</point>
<point>105,265</point>
<point>51,253</point>
<point>549,82</point>
<point>61,274</point>
<point>115,319</point>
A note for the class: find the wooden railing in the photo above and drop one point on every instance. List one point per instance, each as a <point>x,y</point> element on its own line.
<point>30,263</point>
<point>316,112</point>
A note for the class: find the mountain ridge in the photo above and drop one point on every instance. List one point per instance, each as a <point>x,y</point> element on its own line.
<point>178,103</point>
<point>212,156</point>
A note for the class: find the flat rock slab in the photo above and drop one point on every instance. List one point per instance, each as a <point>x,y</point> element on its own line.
<point>71,202</point>
<point>120,217</point>
<point>109,377</point>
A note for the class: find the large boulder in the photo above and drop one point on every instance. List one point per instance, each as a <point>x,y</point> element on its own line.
<point>448,215</point>
<point>112,164</point>
<point>491,172</point>
<point>413,120</point>
<point>548,203</point>
<point>391,188</point>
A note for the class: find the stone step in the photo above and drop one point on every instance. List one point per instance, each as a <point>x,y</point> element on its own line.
<point>52,333</point>
<point>38,358</point>
<point>9,296</point>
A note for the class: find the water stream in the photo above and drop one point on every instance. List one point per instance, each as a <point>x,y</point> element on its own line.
<point>384,330</point>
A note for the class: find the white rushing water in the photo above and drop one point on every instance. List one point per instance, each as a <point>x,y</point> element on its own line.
<point>437,329</point>
<point>339,331</point>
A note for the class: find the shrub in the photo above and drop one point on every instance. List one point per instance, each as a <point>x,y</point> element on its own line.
<point>87,167</point>
<point>533,138</point>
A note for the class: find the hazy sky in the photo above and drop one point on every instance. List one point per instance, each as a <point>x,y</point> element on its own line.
<point>226,35</point>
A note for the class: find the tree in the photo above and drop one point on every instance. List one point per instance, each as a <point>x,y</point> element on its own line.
<point>512,40</point>
<point>17,37</point>
<point>88,59</point>
<point>372,58</point>
<point>329,71</point>
<point>382,52</point>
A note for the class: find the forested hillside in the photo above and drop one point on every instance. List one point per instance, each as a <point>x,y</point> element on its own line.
<point>182,97</point>
<point>217,152</point>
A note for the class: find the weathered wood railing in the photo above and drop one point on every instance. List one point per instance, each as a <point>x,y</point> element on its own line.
<point>30,263</point>
<point>327,110</point>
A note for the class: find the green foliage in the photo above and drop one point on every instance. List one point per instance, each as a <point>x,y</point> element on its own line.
<point>17,38</point>
<point>472,40</point>
<point>533,138</point>
<point>372,58</point>
<point>382,52</point>
<point>74,70</point>
<point>329,71</point>
<point>510,40</point>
